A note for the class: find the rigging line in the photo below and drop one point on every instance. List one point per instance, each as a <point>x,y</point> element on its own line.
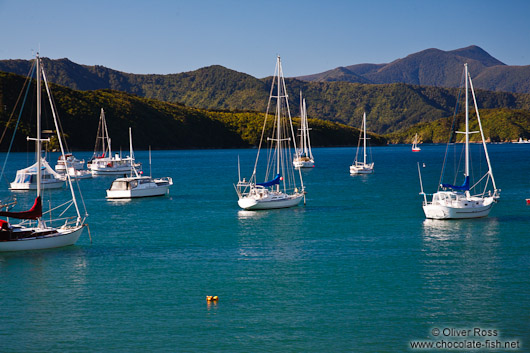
<point>28,78</point>
<point>482,135</point>
<point>265,122</point>
<point>97,139</point>
<point>55,119</point>
<point>359,141</point>
<point>452,128</point>
<point>18,120</point>
<point>61,132</point>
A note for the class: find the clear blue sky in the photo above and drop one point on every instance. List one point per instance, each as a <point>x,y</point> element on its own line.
<point>156,36</point>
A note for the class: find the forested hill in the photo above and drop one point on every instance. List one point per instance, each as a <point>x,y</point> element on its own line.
<point>155,123</point>
<point>390,107</point>
<point>499,125</point>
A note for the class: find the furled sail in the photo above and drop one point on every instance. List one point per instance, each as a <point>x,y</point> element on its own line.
<point>463,187</point>
<point>272,182</point>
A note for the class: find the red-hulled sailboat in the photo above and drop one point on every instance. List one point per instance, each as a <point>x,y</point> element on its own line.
<point>33,232</point>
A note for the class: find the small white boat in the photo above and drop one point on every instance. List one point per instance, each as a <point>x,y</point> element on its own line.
<point>111,165</point>
<point>415,147</point>
<point>362,167</point>
<point>71,161</point>
<point>456,201</point>
<point>78,173</point>
<point>36,231</point>
<point>138,185</point>
<point>280,191</point>
<point>26,179</point>
<point>102,162</point>
<point>304,156</point>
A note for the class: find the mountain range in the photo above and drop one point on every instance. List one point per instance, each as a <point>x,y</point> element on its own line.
<point>390,106</point>
<point>434,67</point>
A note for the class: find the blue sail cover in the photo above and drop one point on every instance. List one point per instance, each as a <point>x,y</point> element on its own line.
<point>272,182</point>
<point>463,187</point>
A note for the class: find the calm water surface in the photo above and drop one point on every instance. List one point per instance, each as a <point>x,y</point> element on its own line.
<point>358,269</point>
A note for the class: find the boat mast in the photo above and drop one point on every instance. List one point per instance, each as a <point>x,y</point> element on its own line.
<point>466,173</point>
<point>278,112</point>
<point>105,136</point>
<point>490,171</point>
<point>306,132</point>
<point>150,171</point>
<point>308,141</point>
<point>302,126</point>
<point>364,143</point>
<point>37,142</point>
<point>131,155</point>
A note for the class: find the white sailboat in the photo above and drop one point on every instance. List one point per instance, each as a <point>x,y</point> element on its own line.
<point>35,231</point>
<point>281,189</point>
<point>103,162</point>
<point>68,162</point>
<point>304,156</point>
<point>138,185</point>
<point>26,179</point>
<point>362,167</point>
<point>456,201</point>
<point>415,147</point>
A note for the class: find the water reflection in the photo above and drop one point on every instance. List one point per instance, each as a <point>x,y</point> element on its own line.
<point>460,269</point>
<point>119,202</point>
<point>271,234</point>
<point>245,214</point>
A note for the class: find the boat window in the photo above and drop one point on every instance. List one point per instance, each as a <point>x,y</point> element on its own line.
<point>119,185</point>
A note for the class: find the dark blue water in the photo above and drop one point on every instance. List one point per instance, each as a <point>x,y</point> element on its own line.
<point>358,269</point>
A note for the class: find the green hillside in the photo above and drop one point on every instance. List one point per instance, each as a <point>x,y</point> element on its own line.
<point>159,124</point>
<point>499,125</point>
<point>390,107</point>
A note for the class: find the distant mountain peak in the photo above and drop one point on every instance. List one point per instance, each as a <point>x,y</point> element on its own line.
<point>477,53</point>
<point>429,67</point>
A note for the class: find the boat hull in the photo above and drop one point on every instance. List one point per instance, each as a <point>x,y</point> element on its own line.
<point>63,237</point>
<point>447,212</point>
<point>251,203</point>
<point>361,170</point>
<point>33,186</point>
<point>304,164</point>
<point>131,194</point>
<point>62,167</point>
<point>111,171</point>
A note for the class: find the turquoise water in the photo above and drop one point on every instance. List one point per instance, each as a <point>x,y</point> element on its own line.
<point>358,269</point>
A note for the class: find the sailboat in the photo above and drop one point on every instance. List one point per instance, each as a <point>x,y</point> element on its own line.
<point>104,163</point>
<point>415,147</point>
<point>138,185</point>
<point>34,231</point>
<point>304,156</point>
<point>26,179</point>
<point>363,167</point>
<point>68,162</point>
<point>280,190</point>
<point>456,201</point>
